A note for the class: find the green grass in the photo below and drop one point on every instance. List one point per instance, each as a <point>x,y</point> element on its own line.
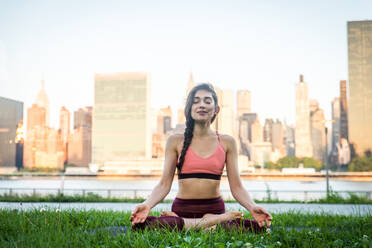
<point>54,228</point>
<point>333,198</point>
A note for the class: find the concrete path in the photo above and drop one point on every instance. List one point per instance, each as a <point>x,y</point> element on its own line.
<point>340,209</point>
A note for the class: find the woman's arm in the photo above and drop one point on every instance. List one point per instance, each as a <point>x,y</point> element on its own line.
<point>162,189</point>
<point>236,187</point>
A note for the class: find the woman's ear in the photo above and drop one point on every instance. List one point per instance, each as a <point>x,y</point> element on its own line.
<point>217,110</point>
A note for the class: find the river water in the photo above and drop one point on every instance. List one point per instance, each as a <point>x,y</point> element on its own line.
<point>120,187</point>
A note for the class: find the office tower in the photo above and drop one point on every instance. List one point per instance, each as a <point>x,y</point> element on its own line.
<point>268,129</point>
<point>42,100</point>
<point>121,117</point>
<point>164,120</point>
<point>343,111</point>
<point>335,130</point>
<point>80,146</point>
<point>190,86</point>
<point>19,140</point>
<point>318,137</point>
<point>257,132</point>
<point>64,126</point>
<point>289,140</point>
<point>181,119</point>
<point>249,119</point>
<point>360,86</point>
<point>336,114</point>
<point>11,115</point>
<point>225,119</point>
<point>243,100</point>
<point>302,132</point>
<point>35,117</point>
<point>43,148</point>
<point>83,117</point>
<point>80,141</point>
<point>277,137</point>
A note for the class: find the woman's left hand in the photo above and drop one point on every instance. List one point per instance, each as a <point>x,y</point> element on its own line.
<point>261,216</point>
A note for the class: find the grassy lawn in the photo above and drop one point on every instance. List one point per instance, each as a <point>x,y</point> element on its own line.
<point>55,228</point>
<point>333,198</point>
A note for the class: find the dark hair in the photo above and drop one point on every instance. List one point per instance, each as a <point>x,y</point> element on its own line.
<point>189,130</point>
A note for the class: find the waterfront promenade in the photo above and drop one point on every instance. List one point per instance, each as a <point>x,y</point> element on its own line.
<point>333,209</point>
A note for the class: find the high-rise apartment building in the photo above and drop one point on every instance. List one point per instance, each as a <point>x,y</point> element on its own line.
<point>121,117</point>
<point>11,115</point>
<point>360,85</point>
<point>302,132</point>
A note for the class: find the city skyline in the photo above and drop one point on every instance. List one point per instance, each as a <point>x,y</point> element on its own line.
<point>260,47</point>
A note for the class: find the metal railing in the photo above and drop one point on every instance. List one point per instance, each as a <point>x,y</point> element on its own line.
<point>301,195</point>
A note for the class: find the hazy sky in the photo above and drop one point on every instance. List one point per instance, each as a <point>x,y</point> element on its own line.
<point>261,46</point>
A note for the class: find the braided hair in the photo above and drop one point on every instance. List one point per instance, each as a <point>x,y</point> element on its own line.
<point>189,130</point>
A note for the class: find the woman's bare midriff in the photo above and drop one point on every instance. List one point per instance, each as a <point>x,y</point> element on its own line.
<point>198,188</point>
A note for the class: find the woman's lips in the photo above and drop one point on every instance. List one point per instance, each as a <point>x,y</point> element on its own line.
<point>202,112</point>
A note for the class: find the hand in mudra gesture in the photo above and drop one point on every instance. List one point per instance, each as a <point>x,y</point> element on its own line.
<point>139,214</point>
<point>261,216</point>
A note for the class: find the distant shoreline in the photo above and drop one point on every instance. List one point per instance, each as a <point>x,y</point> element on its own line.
<point>352,176</point>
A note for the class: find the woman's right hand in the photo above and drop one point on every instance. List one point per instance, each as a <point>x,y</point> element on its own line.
<point>139,214</point>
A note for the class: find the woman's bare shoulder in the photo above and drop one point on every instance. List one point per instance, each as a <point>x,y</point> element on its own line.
<point>227,140</point>
<point>175,139</point>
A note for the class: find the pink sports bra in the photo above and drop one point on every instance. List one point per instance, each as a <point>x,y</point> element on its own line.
<point>211,167</point>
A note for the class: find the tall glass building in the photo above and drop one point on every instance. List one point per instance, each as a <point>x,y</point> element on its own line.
<point>360,85</point>
<point>11,113</point>
<point>121,117</point>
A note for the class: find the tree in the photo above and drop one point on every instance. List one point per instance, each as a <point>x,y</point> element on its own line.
<point>309,162</point>
<point>361,164</point>
<point>288,162</point>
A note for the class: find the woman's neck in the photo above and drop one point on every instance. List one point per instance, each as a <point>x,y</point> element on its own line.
<point>202,129</point>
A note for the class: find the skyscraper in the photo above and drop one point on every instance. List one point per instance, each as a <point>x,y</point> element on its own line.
<point>42,100</point>
<point>243,100</point>
<point>268,130</point>
<point>121,117</point>
<point>344,134</point>
<point>302,132</point>
<point>317,124</point>
<point>277,137</point>
<point>335,129</point>
<point>225,119</point>
<point>360,85</point>
<point>83,117</point>
<point>164,120</point>
<point>11,114</point>
<point>64,126</point>
<point>80,141</point>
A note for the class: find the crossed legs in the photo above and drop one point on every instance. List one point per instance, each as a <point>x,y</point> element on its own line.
<point>208,220</point>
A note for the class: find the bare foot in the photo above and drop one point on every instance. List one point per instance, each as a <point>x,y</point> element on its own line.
<point>168,213</point>
<point>209,220</point>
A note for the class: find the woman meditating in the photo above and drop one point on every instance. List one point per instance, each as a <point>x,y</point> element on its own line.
<point>199,157</point>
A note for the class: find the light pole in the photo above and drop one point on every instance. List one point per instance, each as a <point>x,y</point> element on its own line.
<point>326,152</point>
<point>326,159</point>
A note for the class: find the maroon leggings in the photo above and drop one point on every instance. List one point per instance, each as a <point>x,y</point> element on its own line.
<point>197,208</point>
